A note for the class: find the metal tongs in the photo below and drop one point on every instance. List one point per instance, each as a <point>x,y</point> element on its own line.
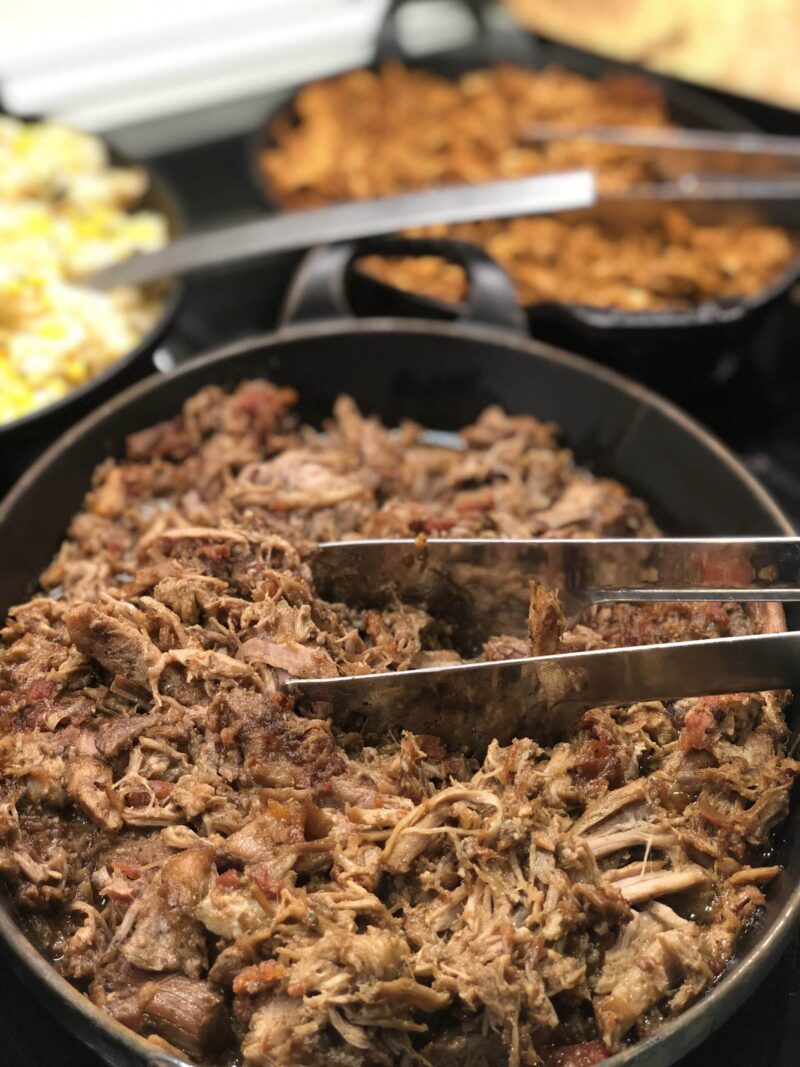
<point>694,164</point>
<point>763,168</point>
<point>245,241</point>
<point>483,587</point>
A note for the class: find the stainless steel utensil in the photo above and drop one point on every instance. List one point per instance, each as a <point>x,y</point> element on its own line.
<point>483,586</point>
<point>695,164</point>
<point>674,149</point>
<point>541,194</point>
<point>543,697</point>
<point>369,218</point>
<point>485,582</point>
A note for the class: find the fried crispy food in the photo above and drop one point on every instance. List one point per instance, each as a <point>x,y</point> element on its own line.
<point>368,134</point>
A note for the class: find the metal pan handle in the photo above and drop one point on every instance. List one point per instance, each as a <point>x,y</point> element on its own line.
<point>387,42</point>
<point>319,289</point>
<point>497,38</point>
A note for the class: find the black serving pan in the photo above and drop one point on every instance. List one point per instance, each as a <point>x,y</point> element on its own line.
<point>23,439</point>
<point>442,375</point>
<point>677,352</point>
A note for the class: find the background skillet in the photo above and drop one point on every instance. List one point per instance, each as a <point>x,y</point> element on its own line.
<point>677,352</point>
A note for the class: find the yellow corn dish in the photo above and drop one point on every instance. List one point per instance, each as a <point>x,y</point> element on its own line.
<point>65,211</point>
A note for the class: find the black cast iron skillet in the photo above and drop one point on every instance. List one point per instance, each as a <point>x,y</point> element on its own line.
<point>23,439</point>
<point>676,352</point>
<point>442,375</point>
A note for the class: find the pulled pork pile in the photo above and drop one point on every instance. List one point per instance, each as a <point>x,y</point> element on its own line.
<point>229,874</point>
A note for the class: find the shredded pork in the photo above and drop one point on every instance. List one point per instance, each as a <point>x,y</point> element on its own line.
<point>226,872</point>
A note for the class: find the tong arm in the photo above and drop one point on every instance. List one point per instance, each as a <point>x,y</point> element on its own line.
<point>543,697</point>
<point>484,584</point>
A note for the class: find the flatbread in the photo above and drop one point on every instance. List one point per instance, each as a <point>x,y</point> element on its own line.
<point>750,47</point>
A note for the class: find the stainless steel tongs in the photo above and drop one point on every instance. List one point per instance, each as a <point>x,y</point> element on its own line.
<point>244,241</point>
<point>482,585</point>
<point>753,167</point>
<point>701,163</point>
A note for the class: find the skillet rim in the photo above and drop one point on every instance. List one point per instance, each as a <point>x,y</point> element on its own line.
<point>674,1038</point>
<point>454,330</point>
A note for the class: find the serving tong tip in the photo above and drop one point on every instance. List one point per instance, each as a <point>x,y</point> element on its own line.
<point>484,585</point>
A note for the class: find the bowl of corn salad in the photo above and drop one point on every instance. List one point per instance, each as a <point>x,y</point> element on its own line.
<point>68,208</point>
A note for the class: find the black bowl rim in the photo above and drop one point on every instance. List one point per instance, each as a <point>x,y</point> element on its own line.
<point>159,197</point>
<point>677,93</point>
<point>742,976</point>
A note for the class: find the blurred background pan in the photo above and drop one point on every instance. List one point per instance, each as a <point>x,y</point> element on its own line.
<point>678,352</point>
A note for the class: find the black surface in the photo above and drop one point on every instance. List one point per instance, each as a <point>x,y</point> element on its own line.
<point>755,412</point>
